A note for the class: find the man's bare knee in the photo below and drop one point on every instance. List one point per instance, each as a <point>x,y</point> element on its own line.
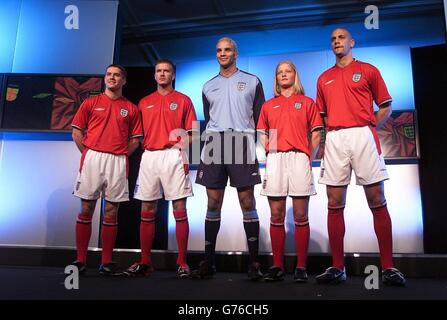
<point>149,206</point>
<point>336,197</point>
<point>247,203</point>
<point>214,204</point>
<point>88,207</point>
<point>375,195</point>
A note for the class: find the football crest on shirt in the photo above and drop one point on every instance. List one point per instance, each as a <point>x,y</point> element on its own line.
<point>241,86</point>
<point>298,105</point>
<point>124,112</point>
<point>356,76</point>
<point>173,106</point>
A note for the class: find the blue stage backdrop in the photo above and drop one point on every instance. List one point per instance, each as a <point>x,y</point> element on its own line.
<point>395,67</point>
<point>9,19</point>
<point>47,36</point>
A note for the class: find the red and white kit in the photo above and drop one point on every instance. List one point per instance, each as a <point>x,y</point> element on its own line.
<point>164,164</point>
<point>288,121</point>
<point>107,125</point>
<point>345,96</point>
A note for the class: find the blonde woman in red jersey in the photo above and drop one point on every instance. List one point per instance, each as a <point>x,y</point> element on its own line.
<point>286,123</point>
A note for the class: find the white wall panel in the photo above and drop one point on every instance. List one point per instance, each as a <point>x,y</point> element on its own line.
<point>37,207</point>
<point>404,203</point>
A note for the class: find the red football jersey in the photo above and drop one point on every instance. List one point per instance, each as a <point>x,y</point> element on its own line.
<point>108,124</point>
<point>346,95</point>
<point>293,118</point>
<point>162,115</point>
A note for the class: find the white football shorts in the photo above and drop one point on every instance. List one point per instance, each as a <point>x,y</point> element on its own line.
<point>352,148</point>
<point>103,174</point>
<point>288,174</point>
<point>163,172</point>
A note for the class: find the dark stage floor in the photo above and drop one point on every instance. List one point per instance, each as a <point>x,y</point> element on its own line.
<point>47,283</point>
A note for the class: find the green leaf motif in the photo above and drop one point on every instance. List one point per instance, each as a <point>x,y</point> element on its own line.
<point>93,93</point>
<point>42,95</point>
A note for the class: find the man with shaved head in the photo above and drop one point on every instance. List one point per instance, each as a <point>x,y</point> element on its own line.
<point>345,95</point>
<point>232,102</point>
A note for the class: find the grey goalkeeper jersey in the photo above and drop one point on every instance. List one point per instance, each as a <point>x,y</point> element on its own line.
<point>232,103</point>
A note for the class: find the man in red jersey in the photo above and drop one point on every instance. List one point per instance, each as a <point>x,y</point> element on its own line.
<point>345,95</point>
<point>164,165</point>
<point>106,129</point>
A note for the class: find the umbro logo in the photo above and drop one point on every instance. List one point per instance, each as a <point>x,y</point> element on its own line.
<point>328,82</point>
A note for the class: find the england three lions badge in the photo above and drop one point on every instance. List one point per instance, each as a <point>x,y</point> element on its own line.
<point>241,86</point>
<point>356,76</point>
<point>124,112</point>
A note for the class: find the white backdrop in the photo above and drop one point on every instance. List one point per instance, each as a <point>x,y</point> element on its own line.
<point>38,209</point>
<point>404,203</point>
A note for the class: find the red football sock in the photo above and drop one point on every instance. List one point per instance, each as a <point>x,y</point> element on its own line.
<point>108,236</point>
<point>147,233</point>
<point>277,237</point>
<point>181,233</point>
<point>382,227</point>
<point>83,233</point>
<point>336,231</point>
<point>302,233</point>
